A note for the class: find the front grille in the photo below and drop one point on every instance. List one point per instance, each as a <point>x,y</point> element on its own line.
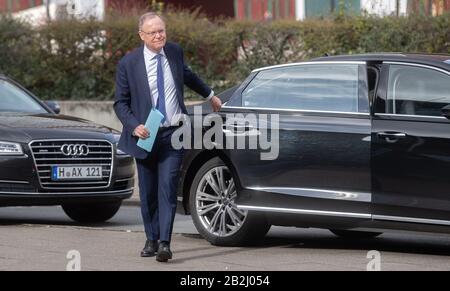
<point>48,153</point>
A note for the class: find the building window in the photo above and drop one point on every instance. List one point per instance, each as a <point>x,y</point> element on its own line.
<point>323,8</point>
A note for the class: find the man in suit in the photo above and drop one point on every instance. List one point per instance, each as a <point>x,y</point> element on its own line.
<point>153,76</point>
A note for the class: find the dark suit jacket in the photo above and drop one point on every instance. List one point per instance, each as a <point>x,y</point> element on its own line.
<point>133,98</point>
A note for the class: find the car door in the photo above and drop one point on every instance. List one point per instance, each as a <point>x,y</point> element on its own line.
<point>411,145</point>
<point>317,114</point>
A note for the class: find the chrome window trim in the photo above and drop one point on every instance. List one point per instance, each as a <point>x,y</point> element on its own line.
<point>303,110</point>
<point>297,110</point>
<point>51,194</point>
<point>412,116</point>
<point>306,211</point>
<point>318,193</point>
<point>309,63</point>
<point>411,220</point>
<point>418,65</point>
<point>57,140</point>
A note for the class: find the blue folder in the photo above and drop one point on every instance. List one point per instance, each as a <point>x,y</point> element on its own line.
<point>152,124</point>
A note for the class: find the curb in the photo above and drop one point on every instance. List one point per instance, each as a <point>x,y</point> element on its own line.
<point>131,202</point>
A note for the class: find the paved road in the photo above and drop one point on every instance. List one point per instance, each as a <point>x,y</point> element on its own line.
<point>39,238</point>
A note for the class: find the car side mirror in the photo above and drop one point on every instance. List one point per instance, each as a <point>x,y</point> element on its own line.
<point>446,111</point>
<point>54,106</point>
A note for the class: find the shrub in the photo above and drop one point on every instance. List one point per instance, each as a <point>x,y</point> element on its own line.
<point>77,59</point>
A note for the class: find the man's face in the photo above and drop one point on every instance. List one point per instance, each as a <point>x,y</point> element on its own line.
<point>153,33</point>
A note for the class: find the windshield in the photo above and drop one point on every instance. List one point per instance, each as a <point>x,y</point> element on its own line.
<point>14,99</point>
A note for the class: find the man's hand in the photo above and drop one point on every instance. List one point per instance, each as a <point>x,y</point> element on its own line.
<point>216,103</point>
<point>141,132</point>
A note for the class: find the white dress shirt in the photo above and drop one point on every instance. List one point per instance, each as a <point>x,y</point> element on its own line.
<point>173,108</point>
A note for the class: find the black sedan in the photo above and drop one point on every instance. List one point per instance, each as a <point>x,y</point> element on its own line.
<point>51,159</point>
<point>363,147</point>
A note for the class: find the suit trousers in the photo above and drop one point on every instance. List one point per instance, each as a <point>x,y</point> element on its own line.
<point>158,180</point>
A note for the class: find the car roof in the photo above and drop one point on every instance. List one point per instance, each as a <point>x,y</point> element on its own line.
<point>439,60</point>
<point>401,57</point>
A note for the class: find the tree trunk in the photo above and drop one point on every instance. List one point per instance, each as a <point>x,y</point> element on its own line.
<point>47,8</point>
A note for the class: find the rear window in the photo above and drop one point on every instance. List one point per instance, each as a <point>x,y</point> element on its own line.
<point>417,91</point>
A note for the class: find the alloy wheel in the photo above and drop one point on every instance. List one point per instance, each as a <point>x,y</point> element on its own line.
<point>215,203</point>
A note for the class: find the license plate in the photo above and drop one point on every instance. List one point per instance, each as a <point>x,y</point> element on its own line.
<point>77,173</point>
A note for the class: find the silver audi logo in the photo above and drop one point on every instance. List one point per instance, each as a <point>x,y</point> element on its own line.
<point>75,150</point>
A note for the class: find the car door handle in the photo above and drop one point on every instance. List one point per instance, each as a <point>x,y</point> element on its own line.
<point>240,130</point>
<point>391,137</point>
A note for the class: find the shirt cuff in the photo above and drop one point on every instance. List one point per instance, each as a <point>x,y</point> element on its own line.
<point>210,96</point>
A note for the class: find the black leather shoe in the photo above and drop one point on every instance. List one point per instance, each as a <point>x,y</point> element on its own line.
<point>150,249</point>
<point>164,254</point>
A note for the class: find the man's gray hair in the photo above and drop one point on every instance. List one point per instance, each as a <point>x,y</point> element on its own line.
<point>148,16</point>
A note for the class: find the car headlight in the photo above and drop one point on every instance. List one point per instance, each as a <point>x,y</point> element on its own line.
<point>10,149</point>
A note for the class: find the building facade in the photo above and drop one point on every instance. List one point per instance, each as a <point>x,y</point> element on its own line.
<point>256,10</point>
<point>18,5</point>
<point>260,10</point>
<point>301,9</point>
<point>429,7</point>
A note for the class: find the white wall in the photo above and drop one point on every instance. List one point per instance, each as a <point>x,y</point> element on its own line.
<point>300,10</point>
<point>100,112</point>
<point>86,8</point>
<point>37,15</point>
<point>78,8</point>
<point>378,7</point>
<point>383,7</point>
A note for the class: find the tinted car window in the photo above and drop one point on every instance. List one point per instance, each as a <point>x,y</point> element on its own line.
<point>13,99</point>
<point>417,91</point>
<point>326,87</point>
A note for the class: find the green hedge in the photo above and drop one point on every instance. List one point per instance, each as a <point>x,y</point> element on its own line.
<point>77,60</point>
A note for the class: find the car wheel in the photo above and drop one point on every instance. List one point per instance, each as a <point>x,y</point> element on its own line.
<point>355,234</point>
<point>92,212</point>
<point>214,212</point>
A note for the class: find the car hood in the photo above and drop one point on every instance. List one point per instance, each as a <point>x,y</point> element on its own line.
<point>27,127</point>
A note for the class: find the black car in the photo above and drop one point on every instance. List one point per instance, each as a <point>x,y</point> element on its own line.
<point>364,147</point>
<point>51,159</point>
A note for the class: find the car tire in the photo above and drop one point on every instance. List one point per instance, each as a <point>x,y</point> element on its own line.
<point>355,234</point>
<point>214,211</point>
<point>92,212</point>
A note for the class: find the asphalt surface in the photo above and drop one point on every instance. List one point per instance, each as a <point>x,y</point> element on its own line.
<point>40,238</point>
